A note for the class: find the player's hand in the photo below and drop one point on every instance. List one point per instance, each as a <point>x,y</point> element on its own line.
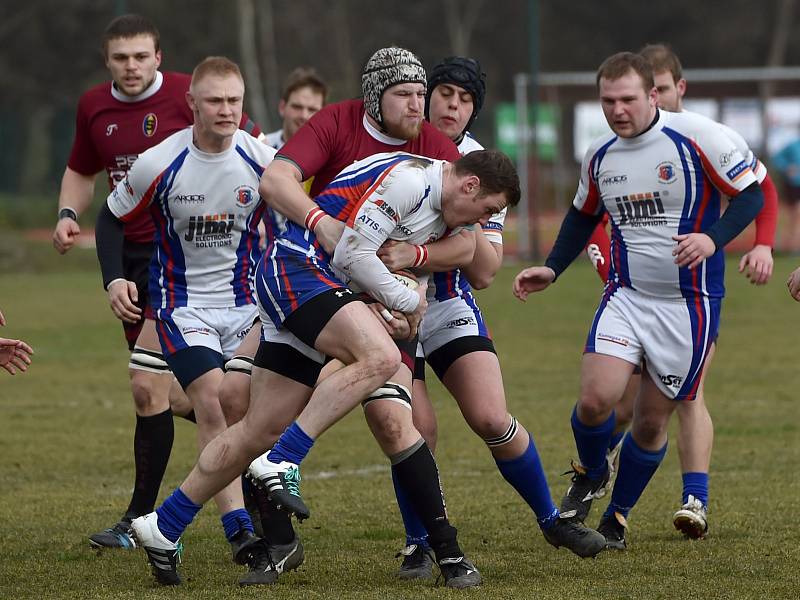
<point>532,279</point>
<point>393,321</point>
<point>14,355</point>
<point>416,315</point>
<point>65,234</point>
<point>397,255</point>
<point>122,295</point>
<point>757,264</point>
<point>692,249</point>
<point>328,232</point>
<point>793,283</point>
<point>595,256</point>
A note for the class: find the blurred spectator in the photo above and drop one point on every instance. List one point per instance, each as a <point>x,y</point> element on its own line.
<point>304,94</point>
<point>787,161</point>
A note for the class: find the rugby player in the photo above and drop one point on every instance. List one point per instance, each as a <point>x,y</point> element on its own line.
<point>304,94</point>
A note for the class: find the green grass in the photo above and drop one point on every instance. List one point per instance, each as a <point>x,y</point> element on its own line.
<point>66,469</point>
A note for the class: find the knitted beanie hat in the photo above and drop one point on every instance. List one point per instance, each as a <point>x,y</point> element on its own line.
<point>388,67</point>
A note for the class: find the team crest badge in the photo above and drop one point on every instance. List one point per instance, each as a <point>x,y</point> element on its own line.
<point>666,172</point>
<point>149,124</point>
<point>244,196</point>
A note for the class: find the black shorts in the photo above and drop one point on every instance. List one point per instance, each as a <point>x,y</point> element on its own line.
<point>136,267</point>
<point>442,358</point>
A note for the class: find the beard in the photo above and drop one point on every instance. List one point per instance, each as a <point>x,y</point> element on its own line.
<point>402,131</point>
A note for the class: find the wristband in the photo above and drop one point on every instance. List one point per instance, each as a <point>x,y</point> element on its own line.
<point>68,213</point>
<point>421,257</point>
<point>313,217</point>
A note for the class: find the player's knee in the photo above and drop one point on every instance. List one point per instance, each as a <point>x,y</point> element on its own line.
<point>490,425</point>
<point>234,398</point>
<point>147,395</point>
<point>594,408</point>
<point>649,428</point>
<point>501,432</point>
<point>382,362</point>
<point>428,428</point>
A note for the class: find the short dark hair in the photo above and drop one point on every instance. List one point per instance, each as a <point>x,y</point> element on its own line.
<point>303,77</point>
<point>495,170</point>
<point>662,58</point>
<point>620,64</point>
<point>128,26</point>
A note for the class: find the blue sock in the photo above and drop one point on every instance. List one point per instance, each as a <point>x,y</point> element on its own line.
<point>293,446</point>
<point>592,444</point>
<point>696,484</point>
<point>415,530</point>
<point>636,467</point>
<point>616,438</point>
<point>525,474</point>
<point>175,514</point>
<point>235,521</point>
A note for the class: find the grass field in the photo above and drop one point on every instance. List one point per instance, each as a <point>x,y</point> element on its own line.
<point>66,467</point>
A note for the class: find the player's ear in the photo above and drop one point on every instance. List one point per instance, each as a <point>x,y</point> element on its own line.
<point>471,184</point>
<point>281,107</point>
<point>681,87</point>
<point>190,99</point>
<point>158,58</point>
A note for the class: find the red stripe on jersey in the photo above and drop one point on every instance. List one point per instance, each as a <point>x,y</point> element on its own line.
<point>145,201</point>
<point>708,168</point>
<point>288,287</point>
<point>703,204</point>
<point>351,219</point>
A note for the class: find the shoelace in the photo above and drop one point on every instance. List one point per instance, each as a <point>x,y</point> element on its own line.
<point>292,480</point>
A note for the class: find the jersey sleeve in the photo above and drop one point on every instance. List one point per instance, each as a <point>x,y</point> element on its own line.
<point>587,198</point>
<point>135,192</point>
<point>493,230</point>
<point>722,160</point>
<point>767,218</point>
<point>758,168</point>
<point>83,157</point>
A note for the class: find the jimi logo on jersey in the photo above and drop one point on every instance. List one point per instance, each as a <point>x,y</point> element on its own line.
<point>210,231</point>
<point>641,210</point>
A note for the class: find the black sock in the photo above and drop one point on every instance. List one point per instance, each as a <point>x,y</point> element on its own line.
<point>418,475</point>
<point>276,524</point>
<point>189,416</point>
<point>152,444</point>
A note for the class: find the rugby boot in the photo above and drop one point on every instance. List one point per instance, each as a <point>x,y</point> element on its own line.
<point>287,557</point>
<point>417,562</point>
<point>583,490</point>
<point>692,519</point>
<point>613,527</point>
<point>459,573</point>
<point>116,536</point>
<point>252,551</point>
<point>281,481</point>
<point>162,554</point>
<point>570,532</point>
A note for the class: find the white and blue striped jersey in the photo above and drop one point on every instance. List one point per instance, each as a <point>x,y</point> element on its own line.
<point>668,180</point>
<point>206,209</point>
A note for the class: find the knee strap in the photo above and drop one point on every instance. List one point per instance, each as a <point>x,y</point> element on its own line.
<point>390,391</point>
<point>506,437</point>
<point>240,364</point>
<point>147,360</point>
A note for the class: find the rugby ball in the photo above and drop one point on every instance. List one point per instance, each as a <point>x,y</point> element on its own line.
<point>407,278</point>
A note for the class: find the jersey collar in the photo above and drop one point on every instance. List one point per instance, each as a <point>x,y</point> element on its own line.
<point>379,135</point>
<point>151,90</point>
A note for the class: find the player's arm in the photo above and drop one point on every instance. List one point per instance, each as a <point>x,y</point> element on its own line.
<point>128,199</point>
<point>75,196</point>
<point>485,263</point>
<point>282,188</point>
<point>446,254</point>
<point>757,264</point>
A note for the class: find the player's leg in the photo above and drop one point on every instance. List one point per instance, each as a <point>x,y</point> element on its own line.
<point>611,353</point>
<point>475,381</point>
<point>417,556</point>
<point>150,380</point>
<point>389,415</point>
<point>695,441</point>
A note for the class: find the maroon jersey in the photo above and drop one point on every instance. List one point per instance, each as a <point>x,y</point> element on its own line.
<point>339,135</point>
<point>112,129</point>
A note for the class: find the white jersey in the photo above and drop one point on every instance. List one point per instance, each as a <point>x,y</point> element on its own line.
<point>758,168</point>
<point>666,181</point>
<point>206,210</point>
<point>403,202</point>
<point>274,139</point>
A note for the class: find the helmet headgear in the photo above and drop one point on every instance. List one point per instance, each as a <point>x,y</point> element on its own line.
<point>388,67</point>
<point>463,72</point>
